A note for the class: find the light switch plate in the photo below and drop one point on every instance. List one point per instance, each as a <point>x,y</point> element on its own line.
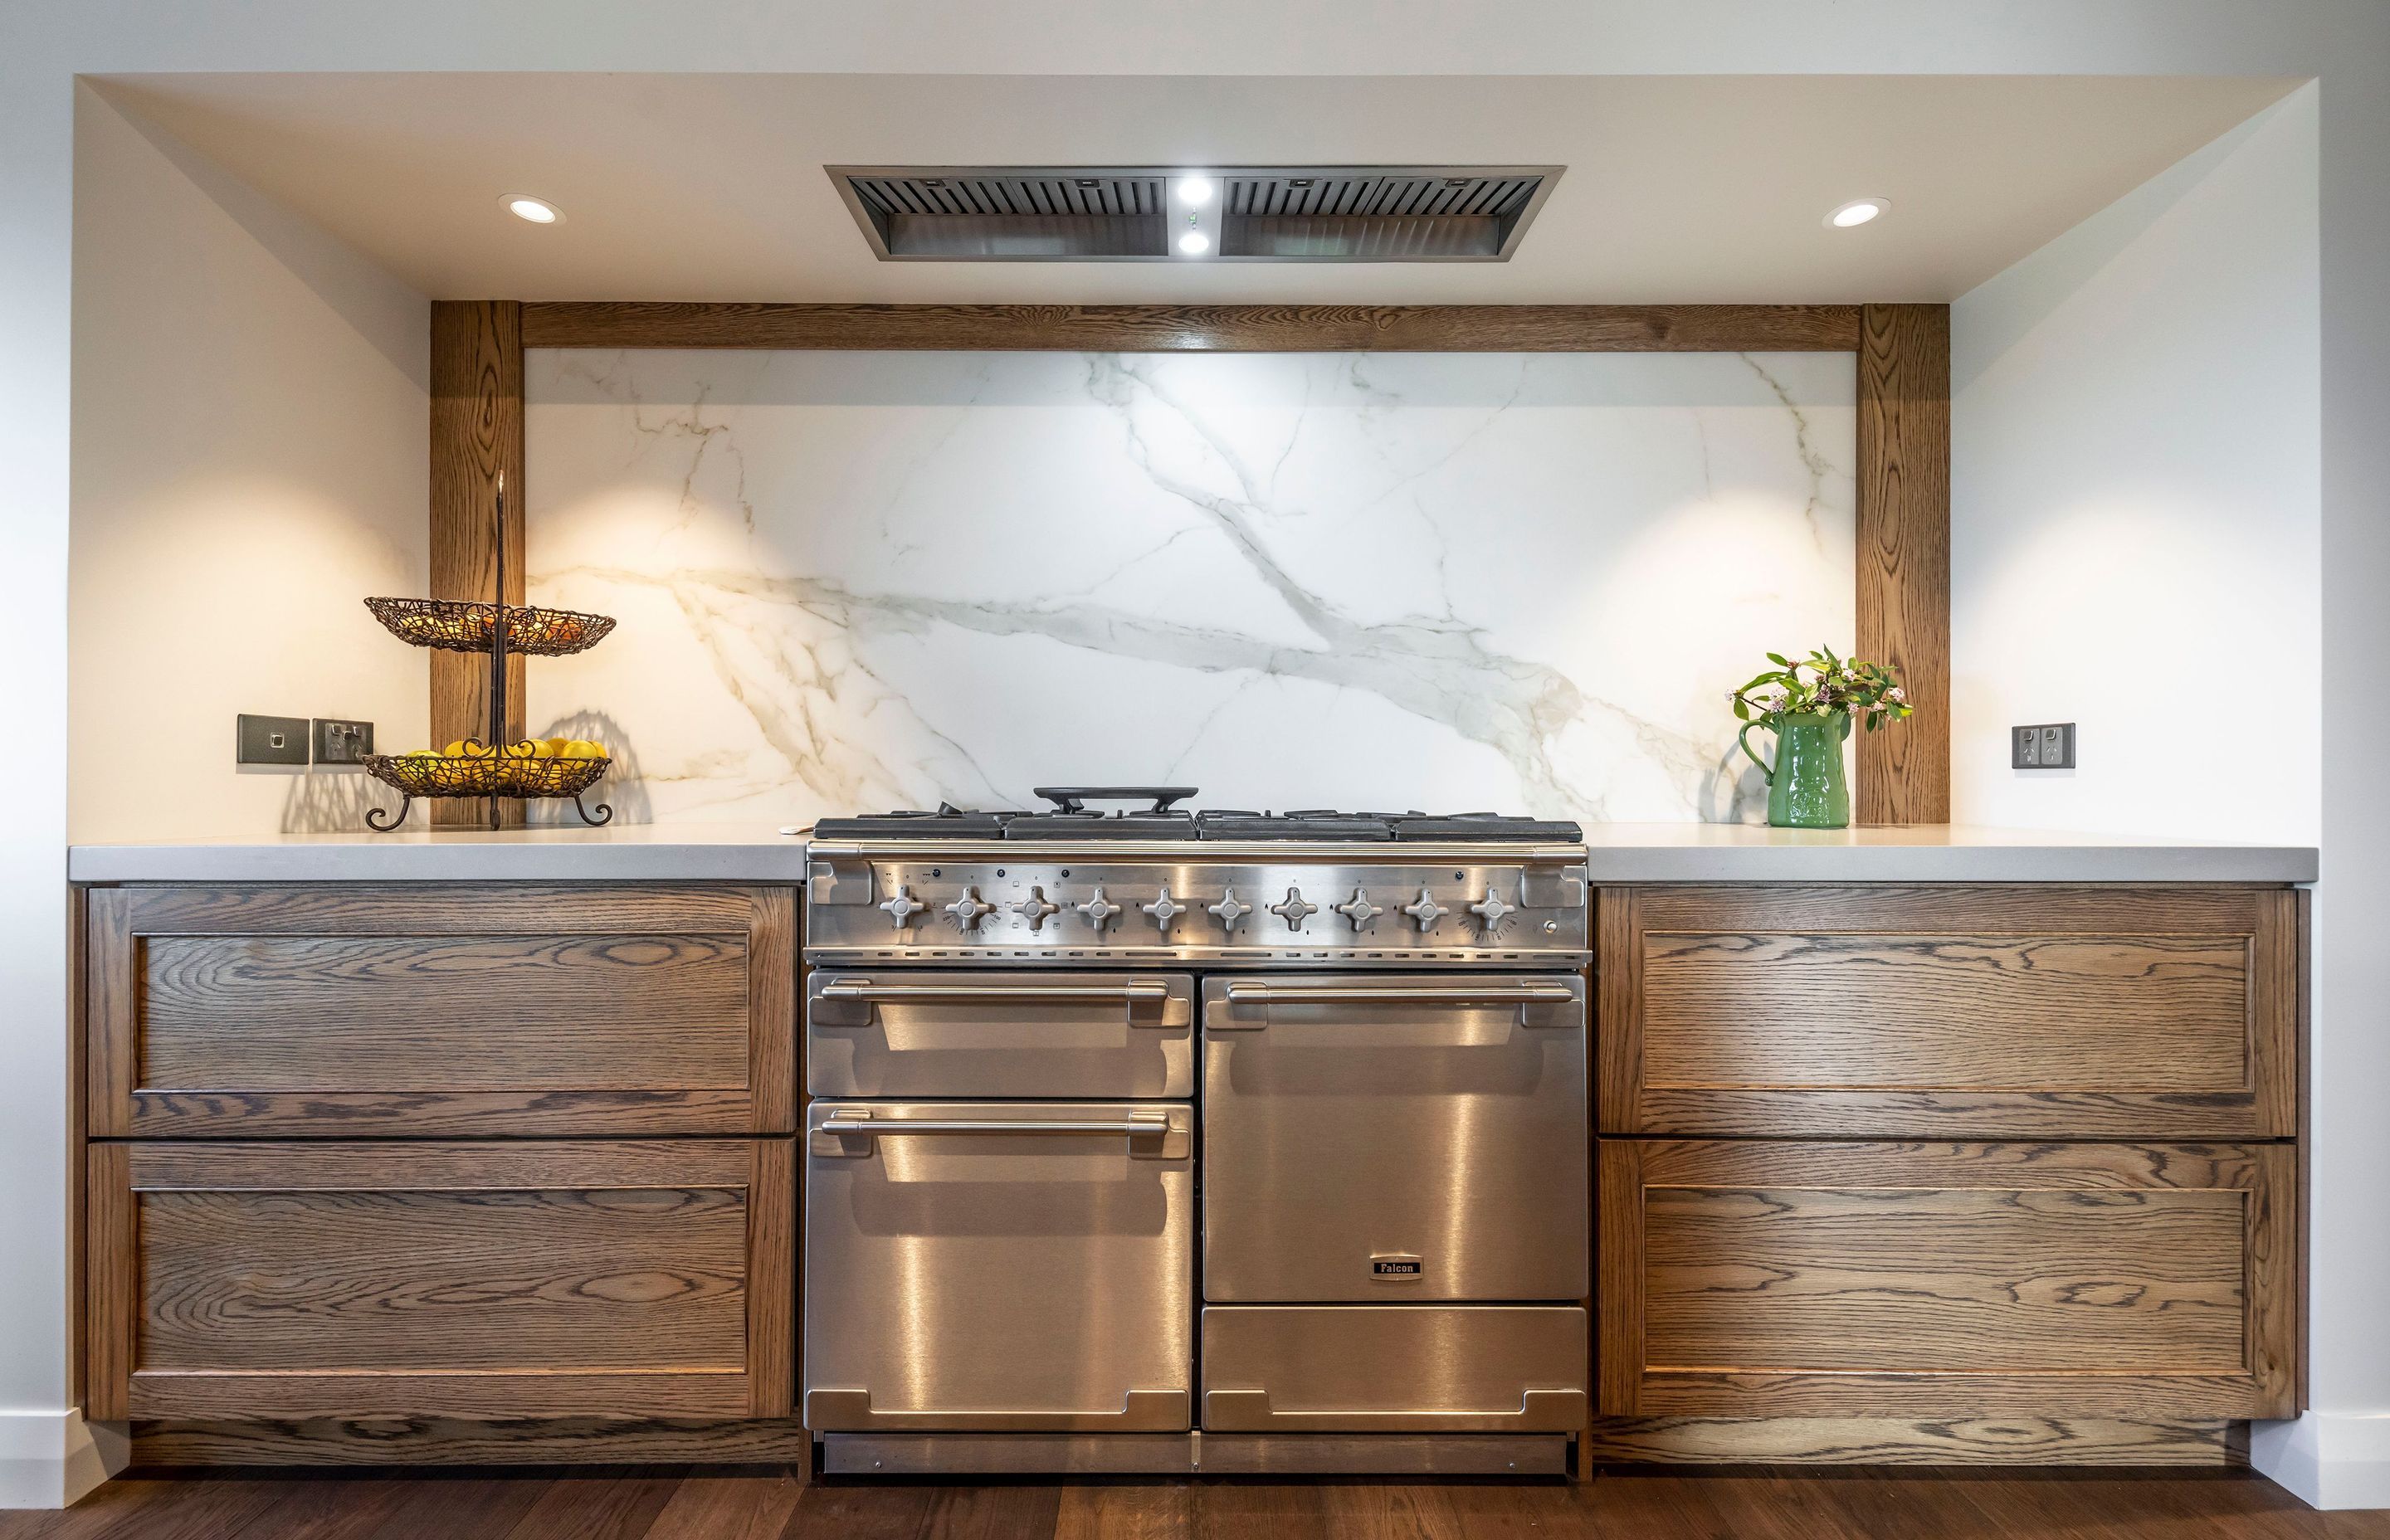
<point>270,740</point>
<point>2043,746</point>
<point>339,740</point>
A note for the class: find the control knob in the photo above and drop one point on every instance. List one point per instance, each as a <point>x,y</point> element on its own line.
<point>903,907</point>
<point>1359,910</point>
<point>1491,909</point>
<point>969,910</point>
<point>1228,912</point>
<point>1163,909</point>
<point>1425,911</point>
<point>1295,911</point>
<point>1036,907</point>
<point>1098,910</point>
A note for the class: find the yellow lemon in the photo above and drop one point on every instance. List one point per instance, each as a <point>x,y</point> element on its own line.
<point>551,748</point>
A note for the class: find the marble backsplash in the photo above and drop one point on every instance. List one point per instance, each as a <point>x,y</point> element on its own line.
<point>856,581</point>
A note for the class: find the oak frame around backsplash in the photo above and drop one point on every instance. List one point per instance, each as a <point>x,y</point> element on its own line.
<point>1903,473</point>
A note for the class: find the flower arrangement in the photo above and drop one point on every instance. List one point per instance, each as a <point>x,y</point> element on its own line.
<point>1822,685</point>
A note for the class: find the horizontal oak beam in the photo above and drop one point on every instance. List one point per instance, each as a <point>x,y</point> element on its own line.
<point>1199,328</point>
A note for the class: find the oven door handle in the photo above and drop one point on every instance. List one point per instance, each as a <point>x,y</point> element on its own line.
<point>1148,1001</point>
<point>851,1131</point>
<point>1139,1127</point>
<point>1248,1001</point>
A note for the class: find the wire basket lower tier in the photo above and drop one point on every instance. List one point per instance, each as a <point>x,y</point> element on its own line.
<point>467,625</point>
<point>500,774</point>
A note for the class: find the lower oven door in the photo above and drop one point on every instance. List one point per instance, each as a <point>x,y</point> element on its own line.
<point>1396,1138</point>
<point>1013,1266</point>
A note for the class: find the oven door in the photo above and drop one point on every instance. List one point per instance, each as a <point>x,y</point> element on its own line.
<point>922,1032</point>
<point>1394,1138</point>
<point>1003,1266</point>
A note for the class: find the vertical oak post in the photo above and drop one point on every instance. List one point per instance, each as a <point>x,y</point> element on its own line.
<point>477,436</point>
<point>1904,554</point>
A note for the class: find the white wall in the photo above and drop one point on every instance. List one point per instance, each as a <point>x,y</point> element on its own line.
<point>249,460</point>
<point>2137,524</point>
<point>44,43</point>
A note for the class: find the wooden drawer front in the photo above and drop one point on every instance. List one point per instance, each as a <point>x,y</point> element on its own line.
<point>1973,1011</point>
<point>461,1009</point>
<point>441,1280</point>
<point>1791,1279</point>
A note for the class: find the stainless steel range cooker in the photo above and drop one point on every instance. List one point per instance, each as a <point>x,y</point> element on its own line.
<point>1149,1141</point>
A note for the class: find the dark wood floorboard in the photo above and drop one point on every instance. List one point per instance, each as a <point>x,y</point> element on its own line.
<point>770,1503</point>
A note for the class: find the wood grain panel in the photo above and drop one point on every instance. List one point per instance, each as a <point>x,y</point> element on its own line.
<point>393,1441</point>
<point>1891,1441</point>
<point>1904,554</point>
<point>1205,328</point>
<point>444,1279</point>
<point>2017,1010</point>
<point>503,1009</point>
<point>287,1013</point>
<point>477,437</point>
<point>1789,1280</point>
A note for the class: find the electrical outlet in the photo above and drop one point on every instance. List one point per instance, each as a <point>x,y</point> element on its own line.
<point>270,740</point>
<point>338,742</point>
<point>2044,746</point>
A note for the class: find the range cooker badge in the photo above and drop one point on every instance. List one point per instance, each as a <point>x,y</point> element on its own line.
<point>1396,1266</point>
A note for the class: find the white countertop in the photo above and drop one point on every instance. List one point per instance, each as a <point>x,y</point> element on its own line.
<point>1616,852</point>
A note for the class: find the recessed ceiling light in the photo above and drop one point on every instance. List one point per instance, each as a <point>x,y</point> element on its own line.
<point>1194,189</point>
<point>1194,243</point>
<point>538,210</point>
<point>1858,210</point>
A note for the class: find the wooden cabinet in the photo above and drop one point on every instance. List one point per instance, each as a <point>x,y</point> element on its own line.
<point>1795,1279</point>
<point>497,1279</point>
<point>2011,1011</point>
<point>480,1264</point>
<point>341,1010</point>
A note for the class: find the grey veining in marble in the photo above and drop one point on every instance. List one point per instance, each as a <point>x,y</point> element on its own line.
<point>864,580</point>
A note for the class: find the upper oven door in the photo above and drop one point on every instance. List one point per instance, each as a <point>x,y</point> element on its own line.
<point>1394,1138</point>
<point>936,1033</point>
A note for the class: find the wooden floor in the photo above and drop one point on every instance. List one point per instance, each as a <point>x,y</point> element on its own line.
<point>665,1503</point>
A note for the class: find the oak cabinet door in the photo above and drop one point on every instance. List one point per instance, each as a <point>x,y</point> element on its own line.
<point>341,1010</point>
<point>1779,1278</point>
<point>472,1281</point>
<point>1962,1012</point>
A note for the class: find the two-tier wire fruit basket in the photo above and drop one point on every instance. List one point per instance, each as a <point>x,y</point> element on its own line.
<point>490,768</point>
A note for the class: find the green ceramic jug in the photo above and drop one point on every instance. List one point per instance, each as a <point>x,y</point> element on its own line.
<point>1805,786</point>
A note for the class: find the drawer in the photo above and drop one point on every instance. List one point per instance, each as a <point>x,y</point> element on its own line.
<point>1781,1279</point>
<point>935,1034</point>
<point>337,1012</point>
<point>1395,1368</point>
<point>1394,1138</point>
<point>1967,1011</point>
<point>999,1267</point>
<point>524,1278</point>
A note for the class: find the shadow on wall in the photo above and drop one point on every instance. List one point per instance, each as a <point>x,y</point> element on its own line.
<point>1734,792</point>
<point>625,788</point>
<point>332,801</point>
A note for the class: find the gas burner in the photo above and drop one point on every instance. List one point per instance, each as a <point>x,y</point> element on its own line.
<point>948,822</point>
<point>1485,825</point>
<point>1305,824</point>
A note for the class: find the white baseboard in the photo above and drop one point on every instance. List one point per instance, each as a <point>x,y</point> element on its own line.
<point>2328,1459</point>
<point>51,1459</point>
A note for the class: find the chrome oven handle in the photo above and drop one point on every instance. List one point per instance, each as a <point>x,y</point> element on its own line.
<point>1131,990</point>
<point>1245,992</point>
<point>1134,1128</point>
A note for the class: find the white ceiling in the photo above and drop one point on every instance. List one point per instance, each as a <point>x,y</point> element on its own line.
<point>1678,189</point>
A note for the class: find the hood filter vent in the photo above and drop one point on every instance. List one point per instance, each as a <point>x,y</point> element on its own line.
<point>1105,214</point>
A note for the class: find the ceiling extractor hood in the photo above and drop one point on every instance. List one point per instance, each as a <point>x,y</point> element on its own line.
<point>1161,214</point>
